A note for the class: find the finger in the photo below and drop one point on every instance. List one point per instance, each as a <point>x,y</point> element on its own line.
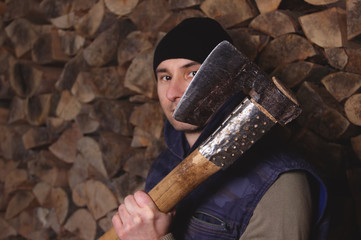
<point>124,215</point>
<point>131,204</point>
<point>117,222</point>
<point>144,200</point>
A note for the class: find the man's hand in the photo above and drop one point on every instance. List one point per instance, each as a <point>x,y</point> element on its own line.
<point>139,218</point>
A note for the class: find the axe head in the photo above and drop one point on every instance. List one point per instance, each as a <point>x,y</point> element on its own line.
<point>225,72</point>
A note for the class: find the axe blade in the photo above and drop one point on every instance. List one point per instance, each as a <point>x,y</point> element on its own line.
<point>225,72</point>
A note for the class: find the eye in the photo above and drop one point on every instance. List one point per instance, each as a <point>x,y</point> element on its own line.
<point>192,74</point>
<point>165,78</point>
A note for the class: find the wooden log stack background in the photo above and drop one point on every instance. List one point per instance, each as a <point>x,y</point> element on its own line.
<point>79,119</point>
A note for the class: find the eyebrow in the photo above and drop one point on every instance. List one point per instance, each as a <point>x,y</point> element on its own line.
<point>187,65</point>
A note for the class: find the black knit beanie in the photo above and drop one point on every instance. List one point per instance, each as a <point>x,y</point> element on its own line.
<point>193,38</point>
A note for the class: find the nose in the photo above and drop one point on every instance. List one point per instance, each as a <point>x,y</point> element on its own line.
<point>176,88</point>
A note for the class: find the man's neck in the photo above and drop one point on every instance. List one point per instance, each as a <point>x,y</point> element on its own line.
<point>192,137</point>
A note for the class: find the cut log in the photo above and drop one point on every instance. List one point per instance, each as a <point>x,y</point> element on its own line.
<point>178,17</point>
<point>179,4</point>
<point>22,34</point>
<point>140,77</point>
<point>42,192</point>
<point>230,12</point>
<point>320,2</point>
<point>83,88</point>
<point>116,150</point>
<point>354,60</point>
<point>53,221</point>
<point>353,9</point>
<point>356,145</point>
<point>82,223</point>
<point>83,5</point>
<point>342,85</point>
<point>70,72</point>
<point>285,49</point>
<point>294,74</point>
<point>121,8</point>
<point>248,42</point>
<point>17,110</point>
<point>57,49</point>
<point>270,22</point>
<point>149,15</point>
<point>325,28</point>
<point>103,49</point>
<point>135,43</point>
<point>114,116</point>
<point>267,5</point>
<point>141,138</point>
<point>89,149</point>
<point>138,165</point>
<point>65,147</point>
<point>24,79</point>
<point>2,7</point>
<point>14,179</point>
<point>68,107</point>
<point>318,115</point>
<point>60,203</point>
<point>336,57</point>
<point>47,49</point>
<point>55,9</point>
<point>46,167</point>
<point>5,90</point>
<point>106,222</point>
<point>11,143</point>
<point>79,172</point>
<point>139,118</point>
<point>36,137</point>
<point>328,156</point>
<point>86,123</point>
<point>100,200</point>
<point>7,231</point>
<point>353,109</point>
<point>79,194</point>
<point>37,109</point>
<point>110,82</point>
<point>4,115</point>
<point>26,223</point>
<point>5,59</point>
<point>125,184</point>
<point>6,167</point>
<point>19,202</point>
<point>56,126</point>
<point>71,42</point>
<point>27,79</point>
<point>90,22</point>
<point>101,82</point>
<point>65,21</point>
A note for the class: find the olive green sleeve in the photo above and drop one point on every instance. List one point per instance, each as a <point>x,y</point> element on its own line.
<point>284,212</point>
<point>169,236</point>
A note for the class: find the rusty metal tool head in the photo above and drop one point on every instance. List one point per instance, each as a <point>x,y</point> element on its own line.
<point>225,72</point>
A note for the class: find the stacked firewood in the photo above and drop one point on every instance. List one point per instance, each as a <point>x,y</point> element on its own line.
<point>80,123</point>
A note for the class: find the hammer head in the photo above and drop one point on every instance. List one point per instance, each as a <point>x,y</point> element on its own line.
<point>225,72</point>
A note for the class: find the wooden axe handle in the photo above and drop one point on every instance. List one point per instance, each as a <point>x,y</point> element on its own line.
<point>196,168</point>
<point>191,172</point>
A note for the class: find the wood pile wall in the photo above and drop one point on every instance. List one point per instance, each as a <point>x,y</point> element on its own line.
<point>79,119</point>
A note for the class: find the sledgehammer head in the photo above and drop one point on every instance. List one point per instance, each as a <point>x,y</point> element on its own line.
<point>225,72</point>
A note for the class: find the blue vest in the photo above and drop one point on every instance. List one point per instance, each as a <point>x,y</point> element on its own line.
<point>221,207</point>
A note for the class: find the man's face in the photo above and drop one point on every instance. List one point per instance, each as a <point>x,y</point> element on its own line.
<point>173,78</point>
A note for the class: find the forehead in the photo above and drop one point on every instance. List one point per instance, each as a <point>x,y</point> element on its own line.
<point>170,64</point>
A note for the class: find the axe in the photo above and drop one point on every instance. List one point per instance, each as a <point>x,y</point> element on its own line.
<point>225,72</point>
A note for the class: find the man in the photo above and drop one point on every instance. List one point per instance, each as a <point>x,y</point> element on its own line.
<point>270,193</point>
